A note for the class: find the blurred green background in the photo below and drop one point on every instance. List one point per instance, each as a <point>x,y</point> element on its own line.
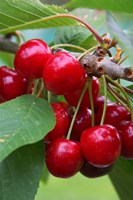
<point>77,188</point>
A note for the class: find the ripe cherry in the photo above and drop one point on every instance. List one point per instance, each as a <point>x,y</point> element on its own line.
<point>101,145</point>
<point>31,58</point>
<point>83,121</point>
<point>100,102</point>
<point>91,171</point>
<point>125,129</point>
<point>73,97</point>
<point>114,114</point>
<point>62,122</point>
<point>63,158</point>
<point>63,73</point>
<point>12,84</point>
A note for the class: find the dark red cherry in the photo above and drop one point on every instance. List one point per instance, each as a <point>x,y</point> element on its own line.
<point>63,73</point>
<point>83,121</point>
<point>12,84</point>
<point>73,97</point>
<point>91,171</point>
<point>31,58</point>
<point>62,121</point>
<point>125,129</point>
<point>114,114</point>
<point>2,100</point>
<point>100,102</point>
<point>63,158</point>
<point>101,145</point>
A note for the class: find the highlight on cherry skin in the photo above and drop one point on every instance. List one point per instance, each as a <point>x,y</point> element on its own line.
<point>12,84</point>
<point>101,145</point>
<point>63,73</point>
<point>31,58</point>
<point>90,150</point>
<point>114,114</point>
<point>63,157</point>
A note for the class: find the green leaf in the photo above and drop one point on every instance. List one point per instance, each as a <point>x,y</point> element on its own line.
<point>88,42</point>
<point>71,35</point>
<point>113,5</point>
<point>120,36</point>
<point>122,178</point>
<point>78,35</point>
<point>6,59</point>
<point>31,14</point>
<point>24,120</point>
<point>20,173</point>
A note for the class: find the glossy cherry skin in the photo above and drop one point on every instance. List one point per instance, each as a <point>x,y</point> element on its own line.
<point>101,145</point>
<point>64,158</point>
<point>91,171</point>
<point>83,121</point>
<point>125,129</point>
<point>73,97</point>
<point>114,114</point>
<point>100,102</point>
<point>31,58</point>
<point>62,122</point>
<point>12,84</point>
<point>63,73</point>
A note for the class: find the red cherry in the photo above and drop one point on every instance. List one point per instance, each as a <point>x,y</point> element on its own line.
<point>63,73</point>
<point>100,102</point>
<point>31,58</point>
<point>62,122</point>
<point>114,114</point>
<point>63,158</point>
<point>73,97</point>
<point>125,129</point>
<point>91,171</point>
<point>83,121</point>
<point>2,100</point>
<point>12,84</point>
<point>101,145</point>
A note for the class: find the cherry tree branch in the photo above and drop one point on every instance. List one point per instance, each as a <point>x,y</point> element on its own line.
<point>7,45</point>
<point>93,63</point>
<point>97,66</point>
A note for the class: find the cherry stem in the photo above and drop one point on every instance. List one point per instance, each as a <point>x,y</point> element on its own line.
<point>123,92</point>
<point>129,91</point>
<point>49,96</point>
<point>116,91</point>
<point>122,60</point>
<point>68,45</point>
<point>93,31</point>
<point>19,35</point>
<point>91,100</point>
<point>35,87</point>
<point>76,110</point>
<point>40,90</point>
<point>117,97</point>
<point>105,101</point>
<point>87,51</point>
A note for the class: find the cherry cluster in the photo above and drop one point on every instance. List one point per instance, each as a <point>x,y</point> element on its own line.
<point>90,150</point>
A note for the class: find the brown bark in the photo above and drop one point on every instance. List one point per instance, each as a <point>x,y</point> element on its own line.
<point>94,64</point>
